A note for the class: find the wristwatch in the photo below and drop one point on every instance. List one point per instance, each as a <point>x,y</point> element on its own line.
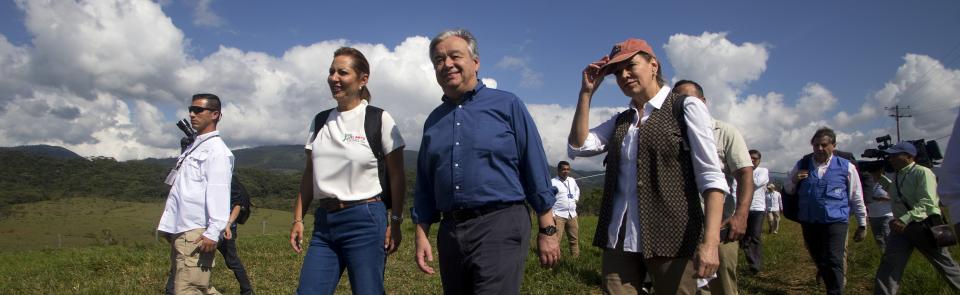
<point>396,218</point>
<point>549,231</point>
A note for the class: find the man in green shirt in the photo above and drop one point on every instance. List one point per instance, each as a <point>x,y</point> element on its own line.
<point>914,197</point>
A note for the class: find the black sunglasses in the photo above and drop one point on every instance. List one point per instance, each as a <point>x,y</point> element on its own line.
<point>197,110</point>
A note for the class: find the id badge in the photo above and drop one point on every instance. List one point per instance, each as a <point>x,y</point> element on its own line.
<point>570,196</point>
<point>171,177</point>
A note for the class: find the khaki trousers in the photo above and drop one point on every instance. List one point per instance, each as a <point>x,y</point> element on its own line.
<point>726,281</point>
<point>570,228</point>
<point>673,275</point>
<point>622,272</point>
<point>190,267</point>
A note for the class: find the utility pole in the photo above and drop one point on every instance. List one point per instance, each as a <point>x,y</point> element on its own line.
<point>896,116</point>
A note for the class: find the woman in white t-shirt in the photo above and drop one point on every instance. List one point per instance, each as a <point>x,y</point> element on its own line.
<point>773,208</point>
<point>350,228</point>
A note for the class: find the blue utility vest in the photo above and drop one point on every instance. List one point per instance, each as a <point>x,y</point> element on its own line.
<point>826,199</point>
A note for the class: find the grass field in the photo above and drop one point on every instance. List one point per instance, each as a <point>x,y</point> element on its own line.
<point>129,261</point>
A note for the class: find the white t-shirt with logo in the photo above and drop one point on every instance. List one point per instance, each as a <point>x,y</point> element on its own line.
<point>343,164</point>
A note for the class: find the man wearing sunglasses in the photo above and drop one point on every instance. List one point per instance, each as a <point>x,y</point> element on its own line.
<point>198,205</point>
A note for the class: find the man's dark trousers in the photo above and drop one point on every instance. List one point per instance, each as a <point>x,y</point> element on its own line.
<point>825,242</point>
<point>751,244</point>
<point>228,248</point>
<point>485,254</point>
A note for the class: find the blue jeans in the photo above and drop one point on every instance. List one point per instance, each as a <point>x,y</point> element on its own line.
<point>881,230</point>
<point>350,238</point>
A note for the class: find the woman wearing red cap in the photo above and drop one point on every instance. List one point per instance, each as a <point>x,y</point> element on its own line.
<point>661,157</point>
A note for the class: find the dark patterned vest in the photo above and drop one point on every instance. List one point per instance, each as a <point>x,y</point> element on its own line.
<point>671,216</point>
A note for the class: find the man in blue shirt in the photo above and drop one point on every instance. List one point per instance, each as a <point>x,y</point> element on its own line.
<point>480,158</point>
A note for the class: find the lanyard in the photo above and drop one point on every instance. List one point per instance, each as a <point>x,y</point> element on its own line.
<point>184,157</point>
<point>569,193</point>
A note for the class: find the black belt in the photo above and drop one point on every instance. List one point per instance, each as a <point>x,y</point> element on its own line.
<point>461,215</point>
<point>334,205</point>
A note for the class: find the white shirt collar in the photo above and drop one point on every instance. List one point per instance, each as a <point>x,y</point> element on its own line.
<point>656,101</point>
<point>207,135</point>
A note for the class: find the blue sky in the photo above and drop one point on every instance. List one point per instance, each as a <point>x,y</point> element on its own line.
<point>846,51</point>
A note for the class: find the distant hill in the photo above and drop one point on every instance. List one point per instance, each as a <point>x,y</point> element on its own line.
<point>44,150</point>
<point>283,158</point>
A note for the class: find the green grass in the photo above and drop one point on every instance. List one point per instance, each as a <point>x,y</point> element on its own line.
<point>134,263</point>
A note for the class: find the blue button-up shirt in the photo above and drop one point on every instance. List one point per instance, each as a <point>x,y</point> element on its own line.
<point>482,151</point>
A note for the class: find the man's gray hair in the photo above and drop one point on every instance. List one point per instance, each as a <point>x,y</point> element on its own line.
<point>463,34</point>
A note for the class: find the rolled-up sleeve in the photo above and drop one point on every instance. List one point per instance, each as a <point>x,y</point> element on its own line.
<point>703,147</point>
<point>219,171</point>
<point>533,165</point>
<point>596,141</point>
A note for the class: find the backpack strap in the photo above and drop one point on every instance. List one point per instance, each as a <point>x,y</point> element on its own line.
<point>680,115</point>
<point>372,126</point>
<point>318,121</point>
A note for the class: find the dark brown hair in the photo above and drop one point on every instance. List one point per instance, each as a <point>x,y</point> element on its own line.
<point>649,58</point>
<point>360,65</point>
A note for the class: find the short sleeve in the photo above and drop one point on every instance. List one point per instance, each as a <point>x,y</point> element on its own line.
<point>310,135</point>
<point>395,140</point>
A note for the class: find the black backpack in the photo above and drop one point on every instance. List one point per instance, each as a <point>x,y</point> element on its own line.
<point>372,124</point>
<point>239,196</point>
<point>791,201</point>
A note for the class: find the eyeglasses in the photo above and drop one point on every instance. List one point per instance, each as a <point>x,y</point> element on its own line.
<point>197,110</point>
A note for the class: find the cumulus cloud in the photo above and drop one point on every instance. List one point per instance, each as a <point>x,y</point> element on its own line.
<point>528,76</point>
<point>928,88</point>
<point>93,81</point>
<point>782,130</point>
<point>104,87</point>
<point>205,17</point>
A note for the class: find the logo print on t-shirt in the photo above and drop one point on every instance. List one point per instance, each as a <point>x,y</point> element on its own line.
<point>349,137</point>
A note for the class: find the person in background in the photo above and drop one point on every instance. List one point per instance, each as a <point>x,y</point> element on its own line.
<point>878,205</point>
<point>752,244</point>
<point>773,208</point>
<point>738,171</point>
<point>913,193</point>
<point>827,188</point>
<point>565,209</point>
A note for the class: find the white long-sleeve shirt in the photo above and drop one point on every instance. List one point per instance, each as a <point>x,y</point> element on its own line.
<point>761,177</point>
<point>200,195</point>
<point>853,184</point>
<point>706,163</point>
<point>568,194</point>
<point>949,174</point>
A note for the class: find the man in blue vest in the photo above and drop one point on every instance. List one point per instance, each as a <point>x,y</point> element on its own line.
<point>827,187</point>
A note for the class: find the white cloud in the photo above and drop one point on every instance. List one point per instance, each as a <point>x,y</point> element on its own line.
<point>782,131</point>
<point>101,78</point>
<point>528,76</point>
<point>203,16</point>
<point>124,47</point>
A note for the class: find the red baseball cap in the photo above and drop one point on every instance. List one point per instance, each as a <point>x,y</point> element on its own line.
<point>625,50</point>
